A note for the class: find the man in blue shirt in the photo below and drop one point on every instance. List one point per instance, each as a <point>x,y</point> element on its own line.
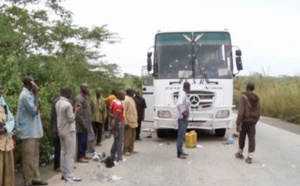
<point>29,131</point>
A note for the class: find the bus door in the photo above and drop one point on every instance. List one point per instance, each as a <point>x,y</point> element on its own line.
<point>147,90</point>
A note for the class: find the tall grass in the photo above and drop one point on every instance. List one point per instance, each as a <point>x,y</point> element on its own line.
<point>280,96</point>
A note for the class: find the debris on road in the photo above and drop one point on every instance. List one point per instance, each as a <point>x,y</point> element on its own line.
<point>199,146</point>
<point>114,177</point>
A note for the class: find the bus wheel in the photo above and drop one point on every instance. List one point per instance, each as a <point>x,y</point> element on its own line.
<point>220,132</point>
<point>161,133</point>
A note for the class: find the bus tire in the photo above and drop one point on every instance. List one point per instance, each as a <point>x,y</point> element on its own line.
<point>161,133</point>
<point>220,132</point>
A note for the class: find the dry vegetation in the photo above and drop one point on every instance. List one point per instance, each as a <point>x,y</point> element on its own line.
<point>280,96</point>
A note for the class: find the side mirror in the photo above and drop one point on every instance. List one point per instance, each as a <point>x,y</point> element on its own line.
<point>149,61</point>
<point>238,53</point>
<point>239,64</point>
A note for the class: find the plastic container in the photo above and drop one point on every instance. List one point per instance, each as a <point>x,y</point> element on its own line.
<point>229,139</point>
<point>107,135</point>
<point>194,137</point>
<point>190,139</point>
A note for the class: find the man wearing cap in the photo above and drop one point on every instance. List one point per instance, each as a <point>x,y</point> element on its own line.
<point>248,115</point>
<point>84,124</point>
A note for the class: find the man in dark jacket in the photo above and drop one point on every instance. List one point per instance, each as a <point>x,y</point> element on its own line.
<point>248,115</point>
<point>140,107</point>
<point>55,138</point>
<point>83,123</point>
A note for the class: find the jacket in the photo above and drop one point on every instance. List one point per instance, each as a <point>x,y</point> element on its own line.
<point>249,108</point>
<point>83,115</point>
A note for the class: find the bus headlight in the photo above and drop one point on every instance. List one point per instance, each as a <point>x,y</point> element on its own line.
<point>222,114</point>
<point>164,114</point>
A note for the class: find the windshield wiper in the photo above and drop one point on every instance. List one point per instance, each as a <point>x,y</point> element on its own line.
<point>207,80</point>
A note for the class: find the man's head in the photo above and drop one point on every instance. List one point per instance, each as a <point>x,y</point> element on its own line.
<point>98,91</point>
<point>250,87</point>
<point>120,95</point>
<point>66,92</point>
<point>137,93</point>
<point>27,82</point>
<point>186,87</point>
<point>113,92</point>
<point>130,92</point>
<point>84,88</point>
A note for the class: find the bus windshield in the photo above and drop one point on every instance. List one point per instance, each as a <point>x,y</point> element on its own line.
<point>191,55</point>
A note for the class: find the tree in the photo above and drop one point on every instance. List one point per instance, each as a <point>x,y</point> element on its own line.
<point>52,50</point>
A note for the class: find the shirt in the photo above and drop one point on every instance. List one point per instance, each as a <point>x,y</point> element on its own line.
<point>6,141</point>
<point>130,113</point>
<point>116,106</point>
<point>99,110</point>
<point>65,116</point>
<point>28,122</point>
<point>183,104</point>
<point>140,107</point>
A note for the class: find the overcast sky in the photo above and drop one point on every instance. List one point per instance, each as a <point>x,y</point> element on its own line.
<point>267,31</point>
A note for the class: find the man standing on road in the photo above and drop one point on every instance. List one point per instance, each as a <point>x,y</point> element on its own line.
<point>83,124</point>
<point>183,112</point>
<point>67,133</point>
<point>7,124</point>
<point>99,111</point>
<point>55,138</point>
<point>140,107</point>
<point>130,116</point>
<point>29,131</point>
<point>116,113</point>
<point>248,115</point>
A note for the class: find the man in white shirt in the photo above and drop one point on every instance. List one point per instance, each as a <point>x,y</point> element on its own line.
<point>67,133</point>
<point>183,112</point>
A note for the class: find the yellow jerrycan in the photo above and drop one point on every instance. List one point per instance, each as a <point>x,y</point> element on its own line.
<point>191,139</point>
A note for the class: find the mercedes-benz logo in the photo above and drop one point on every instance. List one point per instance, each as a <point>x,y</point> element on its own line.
<point>194,100</point>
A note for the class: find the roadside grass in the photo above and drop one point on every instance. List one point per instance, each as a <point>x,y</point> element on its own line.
<point>280,96</point>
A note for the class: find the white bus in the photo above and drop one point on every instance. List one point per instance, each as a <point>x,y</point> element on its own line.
<point>205,60</point>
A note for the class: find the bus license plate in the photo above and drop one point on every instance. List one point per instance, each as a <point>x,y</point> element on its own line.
<point>195,124</point>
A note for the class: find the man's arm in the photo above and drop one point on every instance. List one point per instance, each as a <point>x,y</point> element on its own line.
<point>179,105</point>
<point>117,120</point>
<point>144,107</point>
<point>70,114</point>
<point>125,109</point>
<point>10,122</point>
<point>30,104</point>
<point>241,111</point>
<point>79,114</point>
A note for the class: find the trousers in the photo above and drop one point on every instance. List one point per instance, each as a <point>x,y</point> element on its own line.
<point>7,173</point>
<point>68,148</point>
<point>248,129</point>
<point>30,160</point>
